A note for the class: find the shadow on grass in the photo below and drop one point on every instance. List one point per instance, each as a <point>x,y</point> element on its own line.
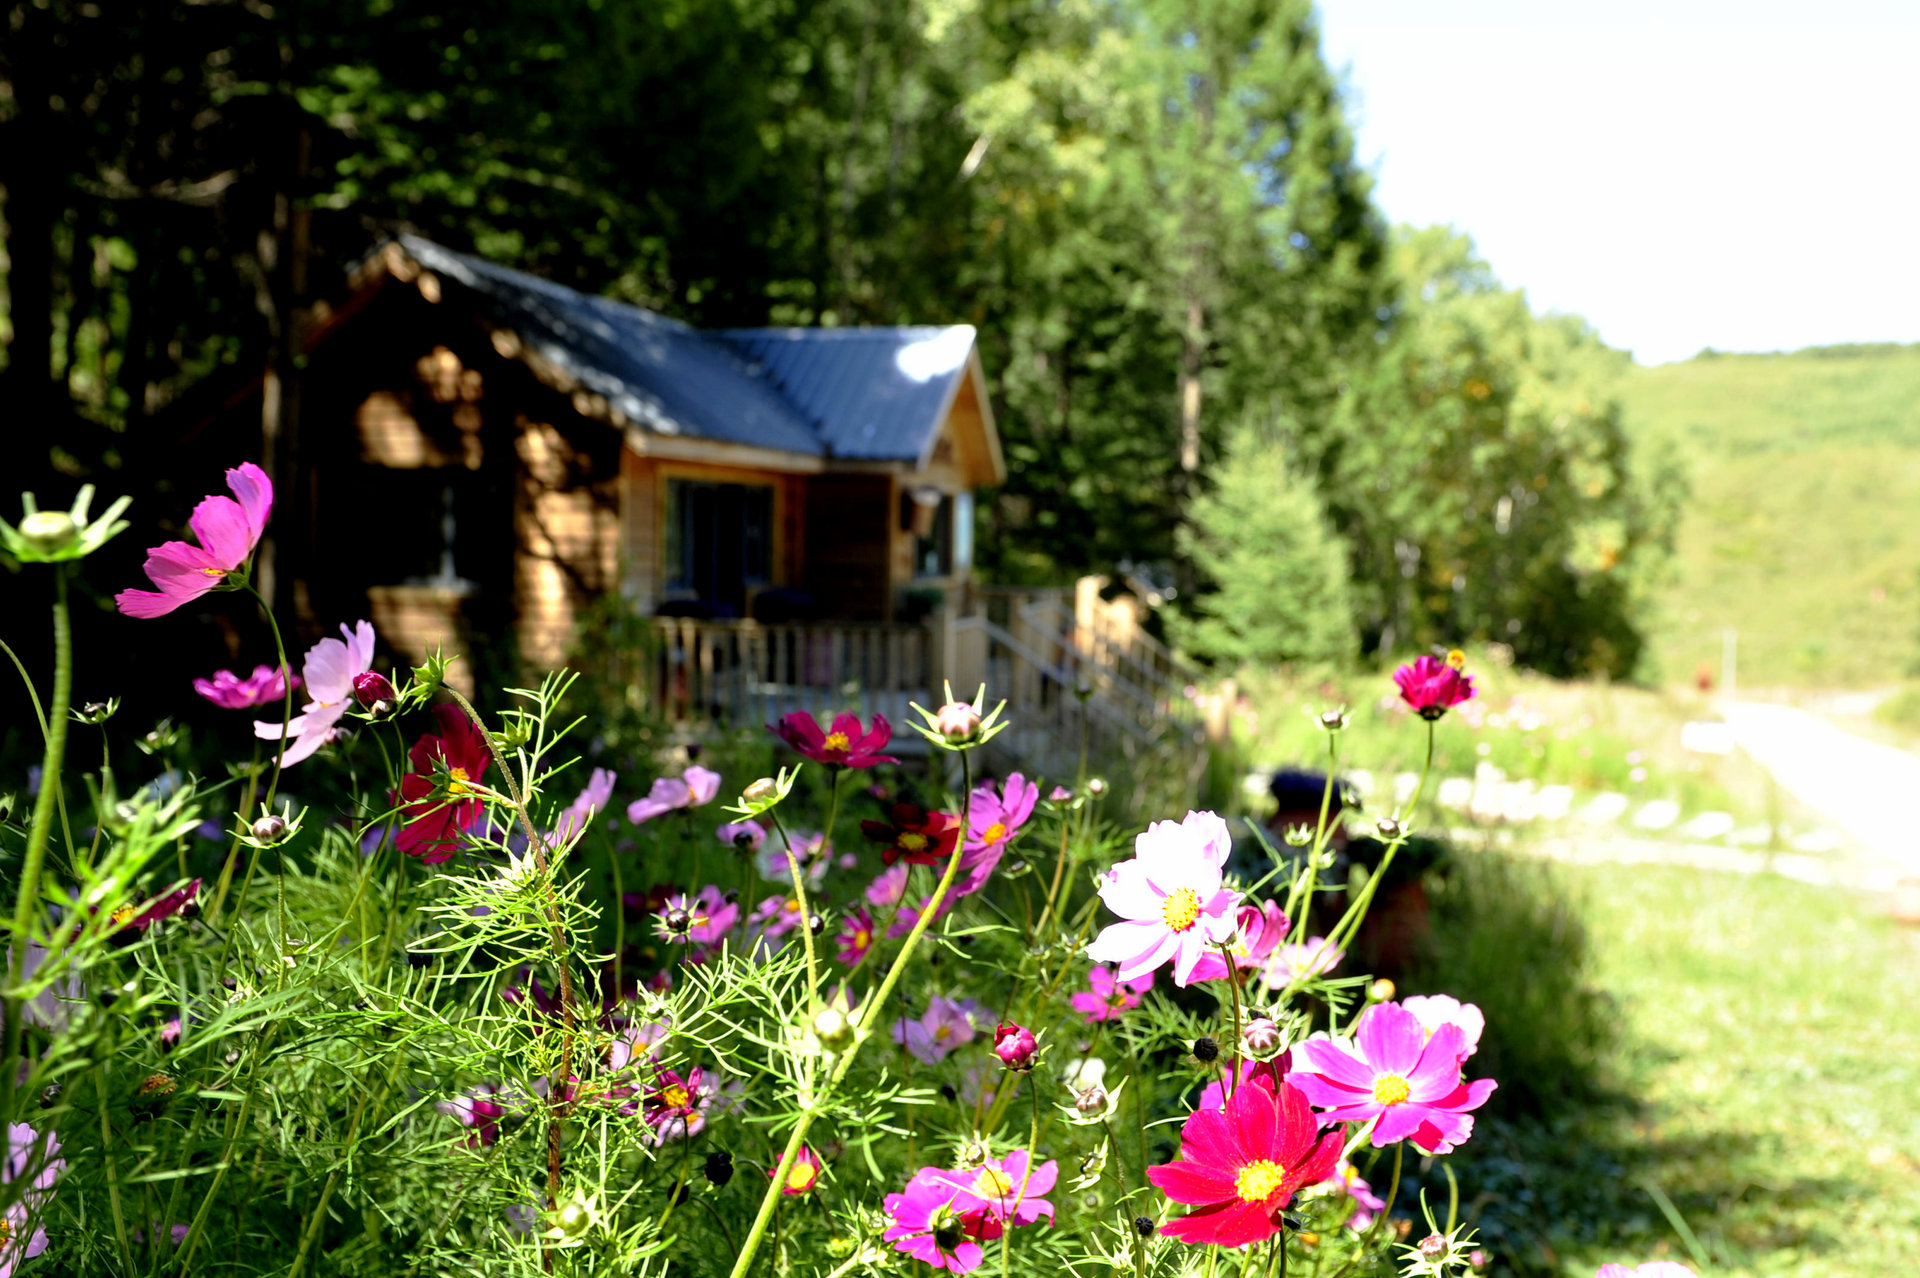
<point>1565,1165</point>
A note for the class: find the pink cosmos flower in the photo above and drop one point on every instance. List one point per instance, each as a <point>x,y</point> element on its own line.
<point>713,916</point>
<point>1258,931</point>
<point>675,1106</point>
<point>992,821</point>
<point>730,833</point>
<point>844,745</point>
<point>330,669</point>
<point>856,937</point>
<point>773,918</point>
<point>1652,1269</point>
<point>228,531</point>
<point>478,1111</point>
<point>888,886</point>
<point>1240,1167</point>
<point>1395,1073</point>
<point>1367,1204</point>
<point>1106,996</point>
<point>30,1157</point>
<point>810,848</point>
<point>1290,963</point>
<point>947,1024</point>
<point>1170,899</point>
<point>693,788</point>
<point>1432,686</point>
<point>908,916</point>
<point>1015,1046</point>
<point>804,1173</point>
<point>936,1224</point>
<point>230,692</point>
<point>589,803</point>
<point>1435,1010</point>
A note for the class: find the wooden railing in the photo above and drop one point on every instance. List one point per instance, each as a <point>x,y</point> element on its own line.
<point>741,673</point>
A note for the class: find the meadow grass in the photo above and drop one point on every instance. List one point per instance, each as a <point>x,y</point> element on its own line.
<point>1801,533</point>
<point>1763,1076</point>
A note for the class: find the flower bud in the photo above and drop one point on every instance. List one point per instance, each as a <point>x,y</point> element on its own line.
<point>1016,868</point>
<point>48,530</point>
<point>97,712</point>
<point>1389,828</point>
<point>1143,1226</point>
<point>958,722</point>
<point>719,1168</point>
<point>269,829</point>
<point>1261,1036</point>
<point>50,1095</point>
<point>374,692</point>
<point>1298,836</point>
<point>573,1217</point>
<point>1092,1101</point>
<point>831,1027</point>
<point>743,840</point>
<point>974,1154</point>
<point>760,791</point>
<point>1432,1247</point>
<point>949,1092</point>
<point>1478,1259</point>
<point>1097,786</point>
<point>1015,1046</point>
<point>1381,991</point>
<point>1333,720</point>
<point>1206,1050</point>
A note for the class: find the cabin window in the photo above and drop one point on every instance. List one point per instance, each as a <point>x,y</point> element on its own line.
<point>719,544</point>
<point>933,549</point>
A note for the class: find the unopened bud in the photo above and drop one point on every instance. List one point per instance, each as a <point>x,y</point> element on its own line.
<point>719,1168</point>
<point>1143,1226</point>
<point>1389,828</point>
<point>573,1218</point>
<point>1298,836</point>
<point>1478,1259</point>
<point>1092,1101</point>
<point>1206,1050</point>
<point>958,722</point>
<point>1261,1036</point>
<point>1097,786</point>
<point>1016,868</point>
<point>831,1026</point>
<point>269,829</point>
<point>374,691</point>
<point>48,530</point>
<point>50,1095</point>
<point>1432,1247</point>
<point>1381,991</point>
<point>760,790</point>
<point>1333,720</point>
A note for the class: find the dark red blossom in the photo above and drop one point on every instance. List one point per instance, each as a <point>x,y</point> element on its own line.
<point>130,918</point>
<point>844,745</point>
<point>1432,686</point>
<point>435,820</point>
<point>913,834</point>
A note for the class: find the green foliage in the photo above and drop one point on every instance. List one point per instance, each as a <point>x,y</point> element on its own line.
<point>1480,472</point>
<point>1800,537</point>
<point>1281,595</point>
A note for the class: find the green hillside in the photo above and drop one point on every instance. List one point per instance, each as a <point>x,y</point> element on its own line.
<point>1804,529</point>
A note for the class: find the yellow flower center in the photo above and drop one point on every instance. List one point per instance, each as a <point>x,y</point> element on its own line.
<point>836,741</point>
<point>457,781</point>
<point>995,832</point>
<point>793,905</point>
<point>912,842</point>
<point>1390,1089</point>
<point>214,572</point>
<point>801,1178</point>
<point>676,1095</point>
<point>992,1183</point>
<point>862,939</point>
<point>943,1033</point>
<point>1257,1180</point>
<point>1181,909</point>
<point>120,915</point>
<point>1457,659</point>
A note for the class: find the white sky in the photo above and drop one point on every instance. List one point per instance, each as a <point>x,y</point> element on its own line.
<point>1741,174</point>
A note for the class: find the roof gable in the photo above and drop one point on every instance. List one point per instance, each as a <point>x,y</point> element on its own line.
<point>857,394</point>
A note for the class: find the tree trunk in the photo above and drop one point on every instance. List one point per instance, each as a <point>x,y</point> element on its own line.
<point>1192,353</point>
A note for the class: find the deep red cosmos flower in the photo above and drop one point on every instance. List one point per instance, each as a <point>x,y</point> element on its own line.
<point>913,834</point>
<point>1239,1168</point>
<point>133,920</point>
<point>434,822</point>
<point>1432,686</point>
<point>843,745</point>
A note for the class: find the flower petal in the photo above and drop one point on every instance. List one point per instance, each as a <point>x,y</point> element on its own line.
<point>1391,1038</point>
<point>1186,1182</point>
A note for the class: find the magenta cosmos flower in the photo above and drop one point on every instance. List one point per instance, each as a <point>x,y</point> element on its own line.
<point>1106,996</point>
<point>589,803</point>
<point>992,821</point>
<point>131,918</point>
<point>30,1158</point>
<point>693,788</point>
<point>804,1173</point>
<point>1432,686</point>
<point>477,1111</point>
<point>228,529</point>
<point>1258,931</point>
<point>944,1215</point>
<point>434,823</point>
<point>855,937</point>
<point>330,669</point>
<point>1015,1046</point>
<point>230,692</point>
<point>1170,899</point>
<point>1240,1167</point>
<point>844,745</point>
<point>1395,1073</point>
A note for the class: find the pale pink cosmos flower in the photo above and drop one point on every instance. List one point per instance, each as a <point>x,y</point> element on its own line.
<point>1106,996</point>
<point>730,833</point>
<point>1435,1010</point>
<point>330,668</point>
<point>696,787</point>
<point>1170,898</point>
<point>1395,1073</point>
<point>230,692</point>
<point>946,1025</point>
<point>1258,931</point>
<point>588,804</point>
<point>1299,961</point>
<point>888,886</point>
<point>228,531</point>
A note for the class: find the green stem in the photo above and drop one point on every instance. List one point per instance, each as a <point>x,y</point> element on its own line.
<point>326,1191</point>
<point>24,906</point>
<point>806,911</point>
<point>286,698</point>
<point>1229,1050</point>
<point>1026,1177</point>
<point>1120,1179</point>
<point>113,1172</point>
<point>246,811</point>
<point>870,1014</point>
<point>1299,899</point>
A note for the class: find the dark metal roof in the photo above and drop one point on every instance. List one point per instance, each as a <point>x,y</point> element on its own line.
<point>871,394</point>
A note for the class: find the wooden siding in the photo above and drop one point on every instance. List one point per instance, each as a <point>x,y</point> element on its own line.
<point>567,525</point>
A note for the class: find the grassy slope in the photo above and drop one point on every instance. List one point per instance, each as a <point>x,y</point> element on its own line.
<point>1804,531</point>
<point>1769,1043</point>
